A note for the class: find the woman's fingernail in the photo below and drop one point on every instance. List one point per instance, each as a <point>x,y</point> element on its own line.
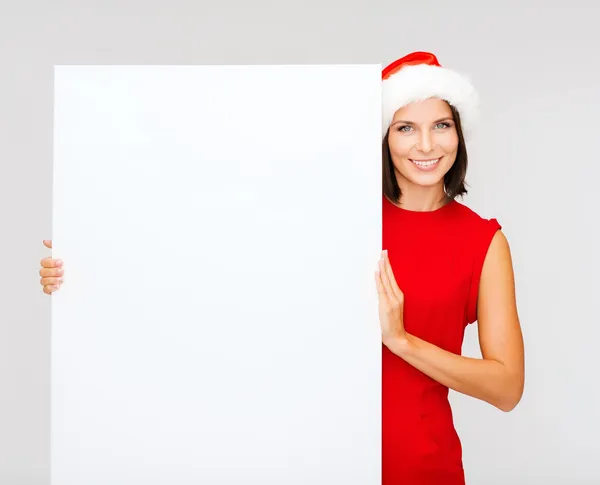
<point>59,262</point>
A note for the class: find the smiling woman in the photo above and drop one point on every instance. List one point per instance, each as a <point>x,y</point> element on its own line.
<point>443,267</point>
<point>426,136</point>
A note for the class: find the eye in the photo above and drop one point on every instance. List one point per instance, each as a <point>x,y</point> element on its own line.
<point>443,125</point>
<point>404,128</point>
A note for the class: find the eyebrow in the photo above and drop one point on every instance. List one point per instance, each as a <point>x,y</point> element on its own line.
<point>412,122</point>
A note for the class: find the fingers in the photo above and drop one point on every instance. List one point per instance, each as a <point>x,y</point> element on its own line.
<point>52,272</point>
<point>383,298</point>
<point>385,280</point>
<point>397,292</point>
<point>51,263</point>
<point>46,272</point>
<point>51,281</point>
<point>50,289</point>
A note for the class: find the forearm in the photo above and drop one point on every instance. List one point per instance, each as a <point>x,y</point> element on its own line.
<point>485,379</point>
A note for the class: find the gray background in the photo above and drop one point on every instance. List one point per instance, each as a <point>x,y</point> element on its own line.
<point>534,166</point>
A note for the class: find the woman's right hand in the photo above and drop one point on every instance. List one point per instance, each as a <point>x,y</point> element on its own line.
<point>52,273</point>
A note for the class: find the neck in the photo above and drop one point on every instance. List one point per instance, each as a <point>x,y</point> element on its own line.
<point>421,199</point>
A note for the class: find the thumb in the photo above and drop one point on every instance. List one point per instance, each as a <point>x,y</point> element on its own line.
<point>48,243</point>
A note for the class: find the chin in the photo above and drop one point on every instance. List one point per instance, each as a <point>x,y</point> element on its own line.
<point>424,179</point>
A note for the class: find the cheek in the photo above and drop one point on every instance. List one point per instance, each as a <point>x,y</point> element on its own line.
<point>450,143</point>
<point>399,147</point>
<point>450,148</point>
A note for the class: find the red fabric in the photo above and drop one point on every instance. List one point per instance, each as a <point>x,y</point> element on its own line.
<point>436,258</point>
<point>411,59</point>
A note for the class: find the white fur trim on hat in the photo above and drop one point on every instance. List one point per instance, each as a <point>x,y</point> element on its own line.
<point>424,81</point>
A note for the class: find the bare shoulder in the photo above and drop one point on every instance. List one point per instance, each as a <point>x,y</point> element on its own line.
<point>497,285</point>
<point>499,251</point>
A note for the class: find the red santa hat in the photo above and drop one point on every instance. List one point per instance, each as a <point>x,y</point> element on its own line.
<point>419,76</point>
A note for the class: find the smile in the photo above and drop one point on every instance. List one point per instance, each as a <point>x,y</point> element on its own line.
<point>426,164</point>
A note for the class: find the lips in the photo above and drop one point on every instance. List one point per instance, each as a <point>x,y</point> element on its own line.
<point>426,164</point>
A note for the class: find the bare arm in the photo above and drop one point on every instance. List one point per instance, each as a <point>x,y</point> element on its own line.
<point>497,378</point>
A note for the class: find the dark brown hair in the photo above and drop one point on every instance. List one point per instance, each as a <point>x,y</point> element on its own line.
<point>454,180</point>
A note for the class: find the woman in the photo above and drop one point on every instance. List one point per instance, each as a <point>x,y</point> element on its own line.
<point>450,268</point>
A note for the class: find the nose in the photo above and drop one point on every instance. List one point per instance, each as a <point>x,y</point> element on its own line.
<point>425,143</point>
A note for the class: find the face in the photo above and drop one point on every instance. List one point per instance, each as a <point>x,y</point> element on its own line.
<point>423,142</point>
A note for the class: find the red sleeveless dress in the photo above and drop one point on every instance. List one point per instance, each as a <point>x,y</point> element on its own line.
<point>436,258</point>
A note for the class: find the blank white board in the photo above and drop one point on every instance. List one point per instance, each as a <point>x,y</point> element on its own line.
<point>220,227</point>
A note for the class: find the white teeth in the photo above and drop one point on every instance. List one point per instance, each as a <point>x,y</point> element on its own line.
<point>425,163</point>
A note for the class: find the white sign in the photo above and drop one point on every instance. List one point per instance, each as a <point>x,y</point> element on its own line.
<point>220,227</point>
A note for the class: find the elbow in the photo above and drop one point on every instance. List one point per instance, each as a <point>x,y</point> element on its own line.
<point>511,397</point>
<point>507,405</point>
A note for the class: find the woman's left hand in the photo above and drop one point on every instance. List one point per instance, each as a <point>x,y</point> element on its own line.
<point>391,303</point>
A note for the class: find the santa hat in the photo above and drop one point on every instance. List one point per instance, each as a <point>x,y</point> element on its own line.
<point>419,76</point>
